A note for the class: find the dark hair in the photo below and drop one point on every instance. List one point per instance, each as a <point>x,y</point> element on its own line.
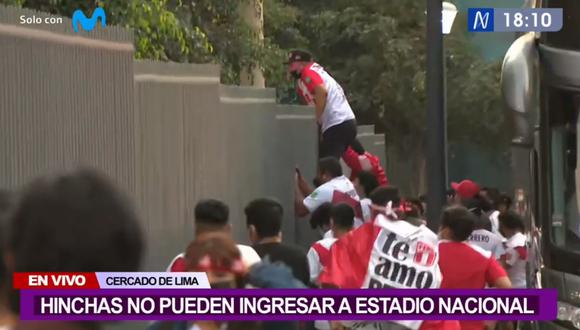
<point>342,216</point>
<point>459,220</point>
<point>482,222</point>
<point>385,194</point>
<point>357,147</point>
<point>212,212</point>
<point>417,204</point>
<point>330,166</point>
<point>512,220</point>
<point>451,192</point>
<point>321,216</point>
<point>504,199</point>
<point>76,222</point>
<point>493,196</point>
<point>368,181</point>
<point>473,205</point>
<point>265,215</point>
<point>485,204</point>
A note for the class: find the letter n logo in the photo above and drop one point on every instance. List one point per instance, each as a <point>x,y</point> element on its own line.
<point>480,20</point>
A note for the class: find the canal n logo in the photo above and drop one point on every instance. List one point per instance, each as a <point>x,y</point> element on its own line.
<point>88,24</point>
<point>480,20</point>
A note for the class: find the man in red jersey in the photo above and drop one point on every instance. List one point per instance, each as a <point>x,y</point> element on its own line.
<point>333,112</point>
<point>457,224</point>
<point>358,159</point>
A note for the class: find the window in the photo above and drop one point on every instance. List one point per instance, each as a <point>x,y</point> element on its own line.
<point>565,174</point>
<point>567,38</point>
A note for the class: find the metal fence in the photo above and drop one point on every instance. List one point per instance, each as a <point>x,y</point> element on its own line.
<point>168,134</point>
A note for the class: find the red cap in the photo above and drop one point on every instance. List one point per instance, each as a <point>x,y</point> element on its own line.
<point>466,189</point>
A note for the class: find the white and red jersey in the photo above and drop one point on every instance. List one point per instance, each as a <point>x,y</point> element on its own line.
<point>337,110</point>
<point>516,257</point>
<point>488,241</point>
<point>385,254</point>
<point>318,256</point>
<point>335,191</point>
<point>248,254</point>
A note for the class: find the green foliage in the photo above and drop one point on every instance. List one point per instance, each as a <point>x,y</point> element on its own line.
<point>160,33</point>
<point>376,50</point>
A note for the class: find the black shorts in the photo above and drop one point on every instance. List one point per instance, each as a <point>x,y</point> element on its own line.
<point>336,139</point>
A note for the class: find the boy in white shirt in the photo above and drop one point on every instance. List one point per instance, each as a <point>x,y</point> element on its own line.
<point>511,226</point>
<point>336,188</point>
<point>482,235</point>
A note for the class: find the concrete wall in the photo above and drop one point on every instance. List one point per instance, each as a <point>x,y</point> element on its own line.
<point>199,139</point>
<point>64,101</point>
<point>169,134</point>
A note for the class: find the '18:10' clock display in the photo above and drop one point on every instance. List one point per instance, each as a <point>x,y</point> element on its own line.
<point>528,19</point>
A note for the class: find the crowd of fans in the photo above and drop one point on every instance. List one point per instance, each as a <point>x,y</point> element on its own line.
<point>79,222</point>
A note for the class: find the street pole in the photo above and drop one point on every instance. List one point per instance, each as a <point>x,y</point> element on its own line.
<point>436,118</point>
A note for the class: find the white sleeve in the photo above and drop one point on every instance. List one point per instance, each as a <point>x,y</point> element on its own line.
<point>313,265</point>
<point>511,256</point>
<point>318,197</point>
<point>249,255</point>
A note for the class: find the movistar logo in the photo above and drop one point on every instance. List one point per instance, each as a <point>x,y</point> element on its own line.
<point>88,24</point>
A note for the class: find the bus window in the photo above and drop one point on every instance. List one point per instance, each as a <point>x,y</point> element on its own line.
<point>567,38</point>
<point>565,175</point>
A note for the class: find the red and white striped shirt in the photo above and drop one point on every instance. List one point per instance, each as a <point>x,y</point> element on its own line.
<point>337,110</point>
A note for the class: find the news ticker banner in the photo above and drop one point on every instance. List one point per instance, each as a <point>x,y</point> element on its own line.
<point>180,299</point>
<point>291,304</point>
<point>134,280</point>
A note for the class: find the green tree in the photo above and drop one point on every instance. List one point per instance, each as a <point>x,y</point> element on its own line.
<point>376,50</point>
<point>198,31</point>
<point>159,31</point>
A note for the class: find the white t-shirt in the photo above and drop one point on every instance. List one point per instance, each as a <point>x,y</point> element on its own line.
<point>494,219</point>
<point>249,257</point>
<point>325,193</point>
<point>516,257</point>
<point>488,241</point>
<point>337,110</point>
<point>313,256</point>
